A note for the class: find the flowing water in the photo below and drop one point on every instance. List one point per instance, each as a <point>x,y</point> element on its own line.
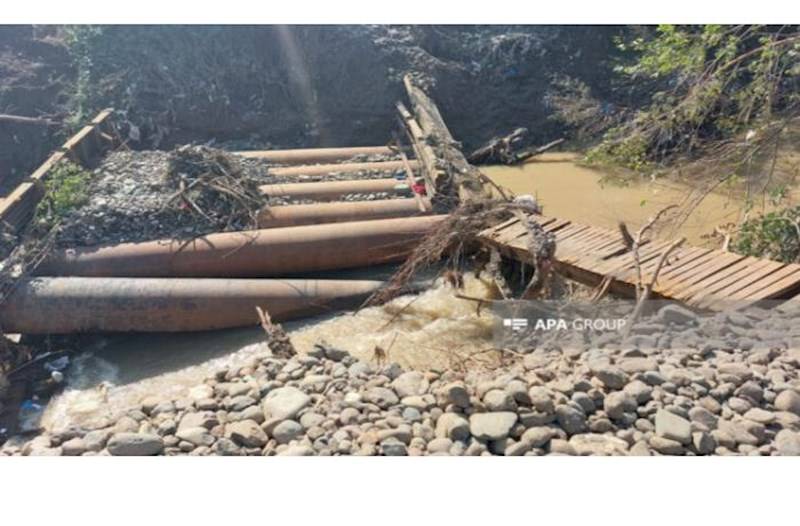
<point>431,330</point>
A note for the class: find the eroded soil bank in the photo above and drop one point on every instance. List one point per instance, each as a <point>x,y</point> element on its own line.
<point>286,86</point>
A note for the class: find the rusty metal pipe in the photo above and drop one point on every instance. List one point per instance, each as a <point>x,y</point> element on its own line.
<point>70,305</point>
<point>324,169</point>
<point>257,253</point>
<point>331,190</point>
<point>319,213</point>
<point>315,155</point>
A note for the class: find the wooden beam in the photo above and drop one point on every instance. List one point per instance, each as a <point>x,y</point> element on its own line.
<point>437,136</point>
<point>83,147</point>
<point>430,170</point>
<point>410,177</point>
<point>19,119</point>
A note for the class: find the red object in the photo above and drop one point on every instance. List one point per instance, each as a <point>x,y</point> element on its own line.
<point>419,188</point>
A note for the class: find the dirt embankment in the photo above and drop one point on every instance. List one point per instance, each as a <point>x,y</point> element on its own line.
<point>289,86</point>
<point>34,71</point>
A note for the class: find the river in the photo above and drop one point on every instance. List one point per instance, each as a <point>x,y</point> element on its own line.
<point>568,190</point>
<point>431,330</point>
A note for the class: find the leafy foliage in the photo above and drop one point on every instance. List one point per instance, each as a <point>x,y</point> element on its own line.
<point>700,90</point>
<point>65,190</point>
<point>775,235</point>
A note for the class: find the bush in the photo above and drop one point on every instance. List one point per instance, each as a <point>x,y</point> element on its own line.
<point>687,92</point>
<point>775,235</point>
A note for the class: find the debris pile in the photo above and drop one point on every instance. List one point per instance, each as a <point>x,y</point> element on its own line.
<point>213,186</point>
<point>189,192</point>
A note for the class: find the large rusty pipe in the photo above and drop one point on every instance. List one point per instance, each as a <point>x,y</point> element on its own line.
<point>257,253</point>
<point>315,155</point>
<point>69,305</point>
<point>341,168</point>
<point>319,213</point>
<point>331,190</point>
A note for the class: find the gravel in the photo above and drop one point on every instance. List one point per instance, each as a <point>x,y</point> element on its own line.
<point>132,199</point>
<point>686,401</point>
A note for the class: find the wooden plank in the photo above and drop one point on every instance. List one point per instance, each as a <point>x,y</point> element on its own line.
<point>588,249</point>
<point>523,233</point>
<point>512,233</point>
<point>19,205</point>
<point>78,147</point>
<point>626,262</point>
<point>777,289</point>
<point>495,229</point>
<point>685,280</point>
<point>589,254</point>
<point>711,265</point>
<point>707,286</point>
<point>675,274</point>
<point>723,291</point>
<point>680,256</point>
<point>422,150</point>
<point>690,269</point>
<point>557,225</point>
<point>647,254</point>
<point>568,232</point>
<point>700,276</point>
<point>577,244</point>
<point>783,272</point>
<point>683,257</point>
<point>410,177</point>
<point>588,237</point>
<point>613,246</point>
<point>600,243</point>
<point>757,274</point>
<point>40,174</point>
<point>675,256</point>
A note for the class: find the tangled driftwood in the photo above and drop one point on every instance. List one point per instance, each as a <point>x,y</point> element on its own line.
<point>211,184</point>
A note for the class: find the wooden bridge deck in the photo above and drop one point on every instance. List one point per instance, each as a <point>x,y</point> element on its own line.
<point>700,277</point>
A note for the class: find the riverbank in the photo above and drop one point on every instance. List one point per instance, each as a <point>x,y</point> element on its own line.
<point>712,393</point>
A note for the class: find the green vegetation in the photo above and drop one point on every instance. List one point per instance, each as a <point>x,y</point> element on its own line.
<point>81,41</point>
<point>775,235</point>
<point>66,188</point>
<point>686,92</point>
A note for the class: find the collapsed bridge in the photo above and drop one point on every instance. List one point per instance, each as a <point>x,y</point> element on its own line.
<point>185,285</point>
<point>216,280</point>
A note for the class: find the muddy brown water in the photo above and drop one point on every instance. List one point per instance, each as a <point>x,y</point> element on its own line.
<point>431,330</point>
<point>567,190</point>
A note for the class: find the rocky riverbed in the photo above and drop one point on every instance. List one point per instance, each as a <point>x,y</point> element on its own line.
<point>701,400</point>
